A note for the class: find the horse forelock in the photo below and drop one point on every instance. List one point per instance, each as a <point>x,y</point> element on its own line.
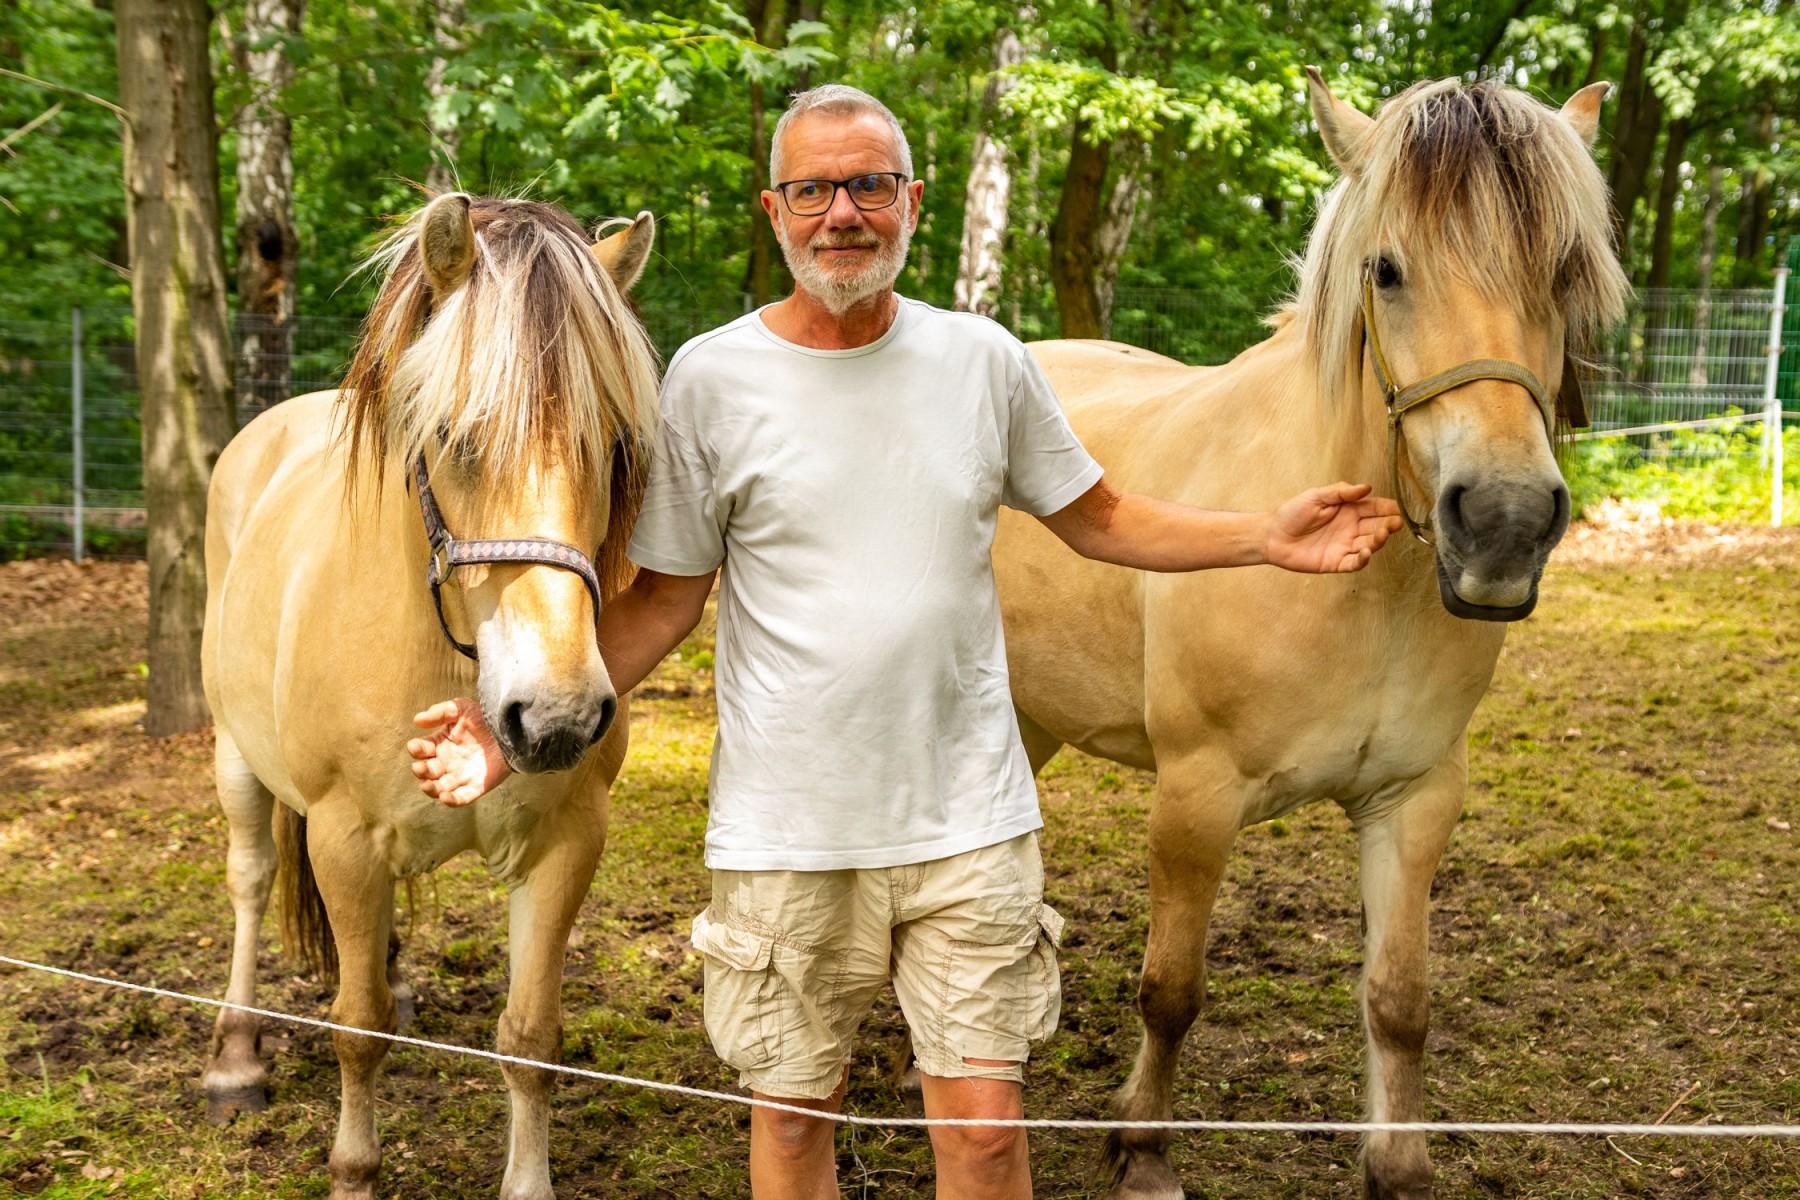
<point>1477,180</point>
<point>535,360</point>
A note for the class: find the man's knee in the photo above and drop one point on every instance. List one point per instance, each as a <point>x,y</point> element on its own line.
<point>793,1136</point>
<point>979,1144</point>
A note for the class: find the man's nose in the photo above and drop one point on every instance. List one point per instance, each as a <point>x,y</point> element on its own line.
<point>843,211</point>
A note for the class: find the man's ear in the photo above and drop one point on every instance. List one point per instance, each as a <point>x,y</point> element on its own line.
<point>625,252</point>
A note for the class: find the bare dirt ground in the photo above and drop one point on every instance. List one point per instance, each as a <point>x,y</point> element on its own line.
<point>1614,935</point>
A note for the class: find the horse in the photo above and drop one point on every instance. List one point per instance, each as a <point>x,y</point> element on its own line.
<point>1456,274</point>
<point>502,387</point>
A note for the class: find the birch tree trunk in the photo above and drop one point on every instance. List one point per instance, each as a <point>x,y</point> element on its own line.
<point>183,344</point>
<point>1129,187</point>
<point>989,193</point>
<point>447,20</point>
<point>267,248</point>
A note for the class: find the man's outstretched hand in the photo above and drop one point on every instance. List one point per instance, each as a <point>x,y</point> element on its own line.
<point>1332,529</point>
<point>458,761</point>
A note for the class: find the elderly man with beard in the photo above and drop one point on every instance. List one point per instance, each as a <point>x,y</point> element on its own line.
<point>842,454</point>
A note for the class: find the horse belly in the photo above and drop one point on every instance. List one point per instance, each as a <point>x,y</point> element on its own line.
<point>1073,643</point>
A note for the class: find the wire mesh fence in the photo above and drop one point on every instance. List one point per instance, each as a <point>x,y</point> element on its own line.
<point>70,452</point>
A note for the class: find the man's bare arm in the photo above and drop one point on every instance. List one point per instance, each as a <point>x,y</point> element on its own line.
<point>1323,530</point>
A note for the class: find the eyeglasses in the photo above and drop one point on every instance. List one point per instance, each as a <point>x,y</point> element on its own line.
<point>810,197</point>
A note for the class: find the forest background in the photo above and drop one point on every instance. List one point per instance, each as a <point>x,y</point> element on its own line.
<point>1102,151</point>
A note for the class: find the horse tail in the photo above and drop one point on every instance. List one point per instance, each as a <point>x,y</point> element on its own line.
<point>305,926</point>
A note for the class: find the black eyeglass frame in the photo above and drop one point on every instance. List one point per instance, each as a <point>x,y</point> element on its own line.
<point>900,178</point>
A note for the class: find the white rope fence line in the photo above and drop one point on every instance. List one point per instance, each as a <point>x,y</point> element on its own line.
<point>1525,1128</point>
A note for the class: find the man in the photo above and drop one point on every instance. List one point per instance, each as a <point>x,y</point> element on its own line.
<point>843,454</point>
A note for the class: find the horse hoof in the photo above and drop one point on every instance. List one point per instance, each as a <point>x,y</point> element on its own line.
<point>1147,1178</point>
<point>912,1092</point>
<point>223,1106</point>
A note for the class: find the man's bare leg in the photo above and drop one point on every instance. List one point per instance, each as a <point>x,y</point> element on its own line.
<point>794,1157</point>
<point>978,1162</point>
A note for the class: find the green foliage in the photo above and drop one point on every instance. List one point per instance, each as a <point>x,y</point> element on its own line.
<point>1699,474</point>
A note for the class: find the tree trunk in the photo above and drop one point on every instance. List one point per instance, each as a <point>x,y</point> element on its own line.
<point>267,248</point>
<point>1074,265</point>
<point>1634,138</point>
<point>988,195</point>
<point>447,20</point>
<point>1709,253</point>
<point>1129,189</point>
<point>809,10</point>
<point>1662,239</point>
<point>766,19</point>
<point>183,344</point>
<point>1755,205</point>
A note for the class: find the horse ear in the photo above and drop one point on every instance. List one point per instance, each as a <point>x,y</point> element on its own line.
<point>447,242</point>
<point>1344,130</point>
<point>625,252</point>
<point>1583,110</point>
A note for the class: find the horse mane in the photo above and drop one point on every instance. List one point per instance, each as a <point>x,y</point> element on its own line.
<point>1482,179</point>
<point>536,359</point>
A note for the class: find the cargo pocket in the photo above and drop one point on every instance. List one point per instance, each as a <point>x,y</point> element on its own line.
<point>1004,997</point>
<point>1043,964</point>
<point>743,1015</point>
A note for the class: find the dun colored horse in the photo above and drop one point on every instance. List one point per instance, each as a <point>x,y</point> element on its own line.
<point>1456,272</point>
<point>502,389</point>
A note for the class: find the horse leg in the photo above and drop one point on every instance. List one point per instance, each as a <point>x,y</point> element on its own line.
<point>236,1079</point>
<point>1193,823</point>
<point>405,999</point>
<point>541,911</point>
<point>359,899</point>
<point>1401,846</point>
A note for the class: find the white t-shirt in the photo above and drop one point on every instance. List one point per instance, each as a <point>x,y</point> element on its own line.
<point>865,718</point>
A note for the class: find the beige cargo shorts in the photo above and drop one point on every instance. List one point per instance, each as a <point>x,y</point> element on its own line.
<point>795,960</point>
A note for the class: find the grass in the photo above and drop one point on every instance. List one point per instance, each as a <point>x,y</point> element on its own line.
<point>1613,934</point>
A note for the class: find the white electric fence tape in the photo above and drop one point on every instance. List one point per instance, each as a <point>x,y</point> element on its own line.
<point>1495,1127</point>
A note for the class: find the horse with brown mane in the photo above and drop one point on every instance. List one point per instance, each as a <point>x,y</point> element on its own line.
<point>503,389</point>
<point>1454,277</point>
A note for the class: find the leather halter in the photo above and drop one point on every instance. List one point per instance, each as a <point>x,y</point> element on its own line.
<point>447,554</point>
<point>1401,399</point>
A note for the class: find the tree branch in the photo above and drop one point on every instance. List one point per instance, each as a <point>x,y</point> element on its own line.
<point>57,87</point>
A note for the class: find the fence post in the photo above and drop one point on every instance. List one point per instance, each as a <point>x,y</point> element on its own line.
<point>75,417</point>
<point>1772,396</point>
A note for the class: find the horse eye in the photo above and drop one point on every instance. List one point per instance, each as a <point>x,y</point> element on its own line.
<point>1387,275</point>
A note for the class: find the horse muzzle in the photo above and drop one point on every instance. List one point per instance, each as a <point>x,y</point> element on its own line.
<point>1493,541</point>
<point>537,737</point>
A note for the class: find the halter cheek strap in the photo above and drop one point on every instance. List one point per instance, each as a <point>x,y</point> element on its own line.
<point>1401,399</point>
<point>447,554</point>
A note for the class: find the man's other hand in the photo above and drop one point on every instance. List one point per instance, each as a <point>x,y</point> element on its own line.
<point>458,761</point>
<point>1332,529</point>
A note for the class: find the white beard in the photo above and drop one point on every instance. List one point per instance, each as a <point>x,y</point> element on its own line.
<point>844,288</point>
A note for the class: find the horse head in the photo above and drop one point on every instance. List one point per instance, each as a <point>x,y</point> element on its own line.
<point>1457,274</point>
<point>502,368</point>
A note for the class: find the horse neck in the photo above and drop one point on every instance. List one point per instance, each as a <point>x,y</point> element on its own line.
<point>1336,432</point>
<point>1341,432</point>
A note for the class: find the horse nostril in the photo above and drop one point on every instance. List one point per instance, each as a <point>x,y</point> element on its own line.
<point>608,708</point>
<point>512,723</point>
<point>1452,504</point>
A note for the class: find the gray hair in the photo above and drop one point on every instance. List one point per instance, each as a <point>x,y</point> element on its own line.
<point>836,99</point>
